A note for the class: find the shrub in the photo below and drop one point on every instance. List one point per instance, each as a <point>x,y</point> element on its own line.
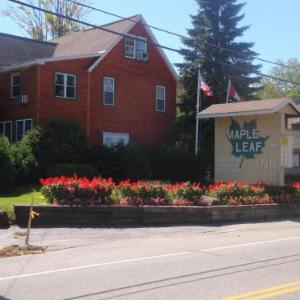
<point>58,141</point>
<point>186,191</point>
<point>235,190</point>
<point>122,162</point>
<point>68,170</point>
<point>73,190</point>
<point>142,192</point>
<point>25,163</point>
<point>7,165</point>
<point>175,165</point>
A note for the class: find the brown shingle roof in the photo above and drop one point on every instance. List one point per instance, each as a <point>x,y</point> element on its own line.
<point>246,108</point>
<point>93,40</point>
<point>15,49</point>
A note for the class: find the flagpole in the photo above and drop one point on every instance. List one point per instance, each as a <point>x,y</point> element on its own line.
<point>228,87</point>
<point>198,105</point>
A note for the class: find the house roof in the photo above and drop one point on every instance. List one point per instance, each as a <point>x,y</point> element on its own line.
<point>92,40</point>
<point>17,51</point>
<point>259,107</point>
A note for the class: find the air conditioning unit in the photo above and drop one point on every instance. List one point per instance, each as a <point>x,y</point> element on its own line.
<point>143,56</point>
<point>22,99</point>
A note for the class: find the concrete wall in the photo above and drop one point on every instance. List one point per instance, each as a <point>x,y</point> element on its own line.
<point>265,167</point>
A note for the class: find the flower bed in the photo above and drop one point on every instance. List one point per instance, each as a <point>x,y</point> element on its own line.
<point>99,191</point>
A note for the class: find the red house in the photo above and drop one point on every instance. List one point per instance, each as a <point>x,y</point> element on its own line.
<point>119,88</point>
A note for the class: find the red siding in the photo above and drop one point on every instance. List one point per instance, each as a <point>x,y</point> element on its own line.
<point>9,109</point>
<point>134,110</point>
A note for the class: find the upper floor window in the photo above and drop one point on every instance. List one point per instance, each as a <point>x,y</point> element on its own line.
<point>15,85</point>
<point>136,48</point>
<point>6,129</point>
<point>160,98</point>
<point>65,85</point>
<point>22,127</point>
<point>109,91</point>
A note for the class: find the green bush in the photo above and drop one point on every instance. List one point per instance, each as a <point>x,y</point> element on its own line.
<point>58,142</point>
<point>7,165</point>
<point>173,164</point>
<point>122,162</point>
<point>25,163</point>
<point>68,170</point>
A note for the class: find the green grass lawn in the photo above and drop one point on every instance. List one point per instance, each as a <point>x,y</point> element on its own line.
<point>20,195</point>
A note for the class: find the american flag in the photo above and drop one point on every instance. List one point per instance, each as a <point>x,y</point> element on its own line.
<point>204,86</point>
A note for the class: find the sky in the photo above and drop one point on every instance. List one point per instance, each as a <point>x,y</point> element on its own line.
<point>274,24</point>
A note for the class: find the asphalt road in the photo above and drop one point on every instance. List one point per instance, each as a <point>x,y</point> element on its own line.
<point>246,261</point>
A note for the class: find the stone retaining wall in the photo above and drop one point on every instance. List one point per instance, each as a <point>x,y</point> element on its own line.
<point>80,216</point>
<point>3,220</point>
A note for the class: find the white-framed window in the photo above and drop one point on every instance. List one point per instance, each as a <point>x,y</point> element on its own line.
<point>22,126</point>
<point>160,98</point>
<point>136,48</point>
<point>15,85</point>
<point>6,129</point>
<point>109,91</point>
<point>296,160</point>
<point>112,139</point>
<point>65,85</point>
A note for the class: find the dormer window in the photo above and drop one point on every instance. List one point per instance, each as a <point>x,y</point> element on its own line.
<point>136,48</point>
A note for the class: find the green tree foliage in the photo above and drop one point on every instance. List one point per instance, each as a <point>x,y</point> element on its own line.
<point>216,22</point>
<point>276,88</point>
<point>41,26</point>
<point>270,90</point>
<point>25,163</point>
<point>121,162</point>
<point>57,142</point>
<point>7,165</point>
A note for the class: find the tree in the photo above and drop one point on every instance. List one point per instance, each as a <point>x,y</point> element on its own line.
<point>215,23</point>
<point>58,141</point>
<point>276,88</point>
<point>42,26</point>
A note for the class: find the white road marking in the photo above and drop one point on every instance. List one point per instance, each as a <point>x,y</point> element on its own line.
<point>252,244</point>
<point>92,266</point>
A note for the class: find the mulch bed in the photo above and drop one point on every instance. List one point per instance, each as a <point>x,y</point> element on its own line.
<point>16,250</point>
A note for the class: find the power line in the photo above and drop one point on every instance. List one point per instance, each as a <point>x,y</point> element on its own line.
<point>136,38</point>
<point>179,35</point>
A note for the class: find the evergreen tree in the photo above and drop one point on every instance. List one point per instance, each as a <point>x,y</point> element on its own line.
<point>215,23</point>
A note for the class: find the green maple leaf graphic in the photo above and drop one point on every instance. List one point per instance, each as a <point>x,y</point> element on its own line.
<point>245,141</point>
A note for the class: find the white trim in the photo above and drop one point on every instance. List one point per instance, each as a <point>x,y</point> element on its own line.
<point>124,136</point>
<point>134,37</point>
<point>65,85</point>
<point>23,129</point>
<point>161,51</point>
<point>4,128</point>
<point>42,61</point>
<point>107,51</point>
<point>273,110</point>
<point>234,114</point>
<point>157,98</point>
<point>103,87</point>
<point>12,75</point>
